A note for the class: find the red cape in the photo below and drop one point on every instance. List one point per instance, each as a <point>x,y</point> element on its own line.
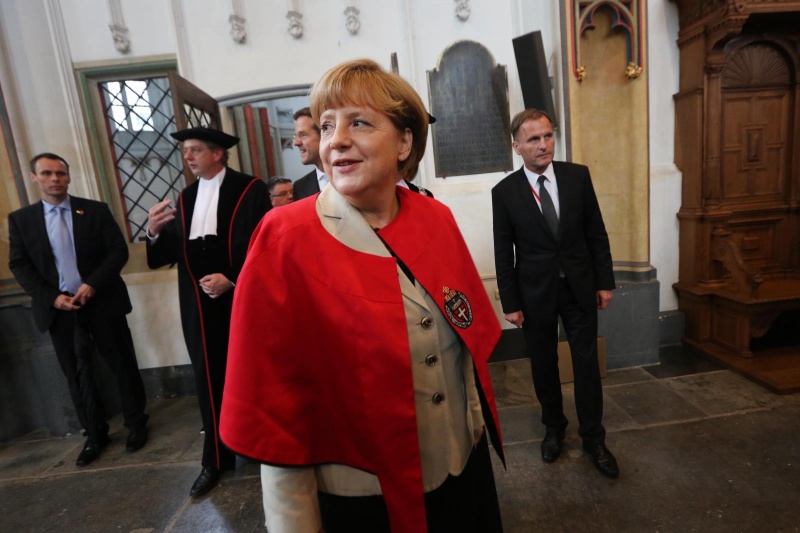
<point>319,367</point>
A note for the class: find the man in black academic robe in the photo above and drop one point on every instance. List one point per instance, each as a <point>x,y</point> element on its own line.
<point>207,235</point>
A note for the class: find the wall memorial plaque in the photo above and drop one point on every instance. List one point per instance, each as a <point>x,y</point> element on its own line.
<point>469,98</point>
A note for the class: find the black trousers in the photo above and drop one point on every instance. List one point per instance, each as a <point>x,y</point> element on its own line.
<point>208,348</point>
<point>75,335</point>
<point>209,361</point>
<point>541,336</point>
<point>462,504</point>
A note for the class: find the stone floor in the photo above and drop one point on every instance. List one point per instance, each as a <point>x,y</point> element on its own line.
<point>700,449</point>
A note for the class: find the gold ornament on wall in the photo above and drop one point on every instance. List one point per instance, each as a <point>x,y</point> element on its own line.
<point>632,71</point>
<point>627,17</point>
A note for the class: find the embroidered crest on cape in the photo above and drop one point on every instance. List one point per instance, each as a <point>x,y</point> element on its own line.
<point>457,308</point>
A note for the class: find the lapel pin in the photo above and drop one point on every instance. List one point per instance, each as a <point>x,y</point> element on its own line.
<point>79,211</point>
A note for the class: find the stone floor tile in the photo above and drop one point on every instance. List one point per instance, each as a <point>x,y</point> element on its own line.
<point>122,499</point>
<point>512,382</point>
<point>23,459</point>
<point>679,360</point>
<point>623,376</point>
<point>234,505</point>
<point>652,403</point>
<point>521,423</point>
<point>723,392</point>
<point>615,418</point>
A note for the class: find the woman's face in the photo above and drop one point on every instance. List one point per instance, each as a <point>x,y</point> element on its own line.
<point>360,149</point>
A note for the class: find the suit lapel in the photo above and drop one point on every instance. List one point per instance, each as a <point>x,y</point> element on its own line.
<point>314,181</point>
<point>39,225</point>
<point>229,194</point>
<point>40,229</point>
<point>566,200</point>
<point>78,225</point>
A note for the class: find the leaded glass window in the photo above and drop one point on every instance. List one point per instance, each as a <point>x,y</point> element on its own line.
<point>139,118</point>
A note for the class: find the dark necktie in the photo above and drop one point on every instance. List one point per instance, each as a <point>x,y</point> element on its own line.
<point>548,209</point>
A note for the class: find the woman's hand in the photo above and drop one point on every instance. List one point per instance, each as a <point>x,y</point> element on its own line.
<point>477,435</point>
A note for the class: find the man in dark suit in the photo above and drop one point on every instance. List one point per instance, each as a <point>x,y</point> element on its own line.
<point>306,139</point>
<point>207,234</point>
<point>67,253</point>
<point>553,259</point>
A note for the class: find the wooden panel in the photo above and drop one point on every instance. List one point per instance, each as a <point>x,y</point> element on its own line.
<point>756,244</point>
<point>755,138</point>
<point>688,136</point>
<point>775,110</point>
<point>735,112</point>
<point>693,56</point>
<point>725,328</point>
<point>191,105</point>
<point>755,120</point>
<point>776,142</point>
<point>698,316</point>
<point>756,65</point>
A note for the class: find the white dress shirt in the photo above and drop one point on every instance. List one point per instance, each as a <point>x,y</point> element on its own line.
<point>204,217</point>
<point>550,184</point>
<point>322,179</point>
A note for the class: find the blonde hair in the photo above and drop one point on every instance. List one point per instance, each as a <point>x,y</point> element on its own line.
<point>362,82</point>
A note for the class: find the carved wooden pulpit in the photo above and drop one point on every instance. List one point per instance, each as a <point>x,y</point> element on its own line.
<point>737,143</point>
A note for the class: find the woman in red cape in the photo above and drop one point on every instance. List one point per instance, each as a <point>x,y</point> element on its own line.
<point>361,331</point>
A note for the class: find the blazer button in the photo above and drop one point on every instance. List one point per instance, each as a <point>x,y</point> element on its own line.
<point>438,398</point>
<point>431,360</point>
<point>427,322</point>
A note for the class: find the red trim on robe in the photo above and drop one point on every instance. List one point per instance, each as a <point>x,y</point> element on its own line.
<point>196,286</point>
<point>233,219</point>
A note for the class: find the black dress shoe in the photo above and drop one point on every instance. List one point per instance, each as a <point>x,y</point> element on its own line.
<point>603,459</point>
<point>136,439</point>
<point>91,451</point>
<point>207,480</point>
<point>551,445</point>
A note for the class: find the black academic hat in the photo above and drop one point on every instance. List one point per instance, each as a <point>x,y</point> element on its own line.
<point>220,138</point>
<point>431,119</point>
